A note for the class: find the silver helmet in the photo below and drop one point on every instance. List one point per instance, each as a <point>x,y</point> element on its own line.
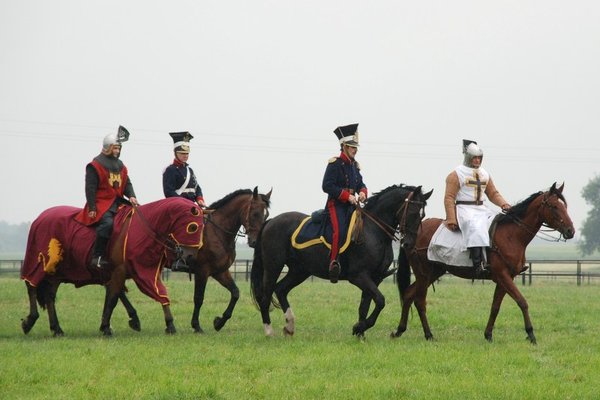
<point>112,139</point>
<point>471,149</point>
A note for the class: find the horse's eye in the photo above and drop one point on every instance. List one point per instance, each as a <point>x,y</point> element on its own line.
<point>192,227</point>
<point>195,211</point>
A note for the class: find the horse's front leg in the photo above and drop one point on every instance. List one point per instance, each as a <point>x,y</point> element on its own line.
<point>509,286</point>
<point>499,294</point>
<point>134,321</point>
<point>200,279</point>
<point>366,284</point>
<point>29,321</point>
<point>226,280</point>
<point>114,288</point>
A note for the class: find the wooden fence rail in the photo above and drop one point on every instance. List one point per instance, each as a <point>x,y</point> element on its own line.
<point>582,271</point>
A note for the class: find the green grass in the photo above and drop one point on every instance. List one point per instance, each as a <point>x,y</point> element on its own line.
<point>323,359</point>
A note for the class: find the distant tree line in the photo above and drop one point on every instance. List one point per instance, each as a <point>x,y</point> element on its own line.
<point>590,231</point>
<point>13,238</point>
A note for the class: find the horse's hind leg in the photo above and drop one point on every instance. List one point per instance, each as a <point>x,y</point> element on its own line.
<point>134,321</point>
<point>29,321</point>
<point>227,282</point>
<point>407,301</point>
<point>292,279</point>
<point>50,299</point>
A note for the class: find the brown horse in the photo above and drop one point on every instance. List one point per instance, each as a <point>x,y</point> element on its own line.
<point>245,208</point>
<point>144,240</point>
<point>506,255</point>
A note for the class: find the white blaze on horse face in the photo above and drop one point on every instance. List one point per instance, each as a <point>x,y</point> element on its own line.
<point>290,319</point>
<point>269,330</point>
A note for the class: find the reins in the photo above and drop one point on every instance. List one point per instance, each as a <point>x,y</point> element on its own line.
<point>387,229</point>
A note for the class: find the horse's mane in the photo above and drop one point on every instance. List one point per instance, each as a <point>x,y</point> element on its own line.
<point>373,200</point>
<point>232,195</point>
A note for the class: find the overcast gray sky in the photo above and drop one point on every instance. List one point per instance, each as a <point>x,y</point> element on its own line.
<point>262,84</point>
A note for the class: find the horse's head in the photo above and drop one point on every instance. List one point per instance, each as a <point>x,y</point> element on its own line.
<point>257,213</point>
<point>410,215</point>
<point>553,212</point>
<point>185,233</point>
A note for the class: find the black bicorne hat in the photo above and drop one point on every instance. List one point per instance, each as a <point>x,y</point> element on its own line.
<point>181,141</point>
<point>347,135</point>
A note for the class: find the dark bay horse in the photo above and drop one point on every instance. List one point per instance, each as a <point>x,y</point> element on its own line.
<point>245,208</point>
<point>506,257</point>
<point>144,240</point>
<point>364,264</point>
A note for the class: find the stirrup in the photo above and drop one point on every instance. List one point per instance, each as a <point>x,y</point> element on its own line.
<point>98,262</point>
<point>334,271</point>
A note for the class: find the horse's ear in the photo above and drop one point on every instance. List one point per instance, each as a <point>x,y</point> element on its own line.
<point>255,192</point>
<point>553,188</point>
<point>560,189</point>
<point>268,195</point>
<point>419,189</point>
<point>427,195</point>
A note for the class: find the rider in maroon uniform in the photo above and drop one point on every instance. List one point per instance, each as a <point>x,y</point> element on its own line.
<point>106,186</point>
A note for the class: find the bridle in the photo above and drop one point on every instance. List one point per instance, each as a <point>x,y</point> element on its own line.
<point>396,234</point>
<point>538,233</point>
<point>245,223</point>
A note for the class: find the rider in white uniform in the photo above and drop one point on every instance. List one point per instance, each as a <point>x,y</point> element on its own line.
<point>464,205</point>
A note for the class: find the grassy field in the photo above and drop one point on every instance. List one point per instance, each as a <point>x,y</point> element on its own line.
<point>323,360</point>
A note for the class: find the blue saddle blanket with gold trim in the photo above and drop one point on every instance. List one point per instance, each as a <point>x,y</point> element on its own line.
<point>315,230</point>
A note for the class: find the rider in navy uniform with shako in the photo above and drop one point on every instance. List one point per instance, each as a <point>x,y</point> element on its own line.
<point>345,188</point>
<point>178,178</point>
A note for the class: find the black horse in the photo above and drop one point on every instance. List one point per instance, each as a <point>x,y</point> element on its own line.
<point>364,264</point>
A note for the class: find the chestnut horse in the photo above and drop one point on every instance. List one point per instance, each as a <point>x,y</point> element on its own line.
<point>364,264</point>
<point>144,240</point>
<point>506,256</point>
<point>245,208</point>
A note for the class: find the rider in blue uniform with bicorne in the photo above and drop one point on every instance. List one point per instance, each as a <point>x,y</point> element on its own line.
<point>344,186</point>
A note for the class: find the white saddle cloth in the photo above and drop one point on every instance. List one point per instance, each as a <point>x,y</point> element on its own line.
<point>449,247</point>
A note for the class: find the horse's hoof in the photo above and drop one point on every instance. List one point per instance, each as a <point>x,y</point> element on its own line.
<point>59,333</point>
<point>287,332</point>
<point>135,324</point>
<point>107,332</point>
<point>394,335</point>
<point>219,323</point>
<point>170,330</point>
<point>26,326</point>
<point>488,337</point>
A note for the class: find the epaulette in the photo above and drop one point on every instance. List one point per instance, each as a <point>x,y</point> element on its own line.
<point>332,160</point>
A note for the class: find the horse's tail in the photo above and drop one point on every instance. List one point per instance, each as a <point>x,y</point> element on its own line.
<point>257,272</point>
<point>403,273</point>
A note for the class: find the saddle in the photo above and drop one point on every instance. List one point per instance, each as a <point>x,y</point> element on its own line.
<point>448,247</point>
<point>314,230</point>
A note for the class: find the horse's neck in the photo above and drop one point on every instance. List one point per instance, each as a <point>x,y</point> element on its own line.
<point>530,224</point>
<point>231,216</point>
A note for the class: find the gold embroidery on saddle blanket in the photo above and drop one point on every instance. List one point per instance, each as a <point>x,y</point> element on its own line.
<point>321,240</point>
<point>55,255</point>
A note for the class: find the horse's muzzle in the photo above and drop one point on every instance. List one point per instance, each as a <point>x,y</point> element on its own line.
<point>568,233</point>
